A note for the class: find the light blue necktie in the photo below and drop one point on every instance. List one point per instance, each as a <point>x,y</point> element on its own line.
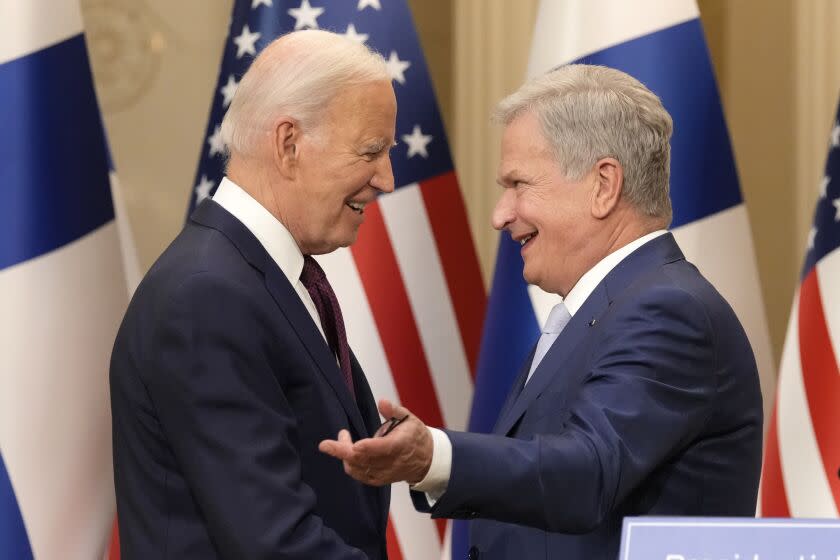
<point>556,322</point>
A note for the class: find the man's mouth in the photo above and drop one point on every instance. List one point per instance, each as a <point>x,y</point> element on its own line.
<point>357,207</point>
<point>523,241</point>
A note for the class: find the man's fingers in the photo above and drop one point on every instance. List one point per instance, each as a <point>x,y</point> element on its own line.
<point>400,411</point>
<point>370,461</point>
<point>329,446</point>
<point>386,408</point>
<point>374,448</point>
<point>341,448</point>
<point>392,410</point>
<point>335,449</point>
<point>373,461</point>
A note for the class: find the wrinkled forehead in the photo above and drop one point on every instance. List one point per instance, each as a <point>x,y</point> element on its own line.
<point>363,114</point>
<point>367,100</point>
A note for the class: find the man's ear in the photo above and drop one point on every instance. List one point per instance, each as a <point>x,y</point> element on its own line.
<point>609,180</point>
<point>285,146</point>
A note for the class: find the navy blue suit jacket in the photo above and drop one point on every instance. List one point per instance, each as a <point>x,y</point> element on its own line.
<point>648,403</point>
<point>221,389</point>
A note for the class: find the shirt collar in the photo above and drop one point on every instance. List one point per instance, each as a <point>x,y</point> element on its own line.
<point>268,230</point>
<point>587,283</point>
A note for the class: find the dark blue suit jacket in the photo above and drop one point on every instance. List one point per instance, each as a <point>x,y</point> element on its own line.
<point>221,389</point>
<point>648,403</point>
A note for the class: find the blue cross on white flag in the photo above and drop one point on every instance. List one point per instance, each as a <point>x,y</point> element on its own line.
<point>62,290</point>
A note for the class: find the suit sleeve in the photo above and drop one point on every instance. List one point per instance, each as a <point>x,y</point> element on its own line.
<point>231,428</point>
<point>649,392</point>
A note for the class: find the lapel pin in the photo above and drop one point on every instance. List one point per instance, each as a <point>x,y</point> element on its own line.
<point>592,322</point>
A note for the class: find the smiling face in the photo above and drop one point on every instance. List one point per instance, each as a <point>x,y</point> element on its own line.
<point>338,168</point>
<point>549,215</point>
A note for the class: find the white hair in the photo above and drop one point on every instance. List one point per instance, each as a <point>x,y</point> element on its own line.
<point>589,112</point>
<point>296,75</point>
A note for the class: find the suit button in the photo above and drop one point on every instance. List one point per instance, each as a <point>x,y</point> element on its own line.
<point>472,554</point>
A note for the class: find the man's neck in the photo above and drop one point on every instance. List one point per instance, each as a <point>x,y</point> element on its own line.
<point>249,174</point>
<point>627,227</point>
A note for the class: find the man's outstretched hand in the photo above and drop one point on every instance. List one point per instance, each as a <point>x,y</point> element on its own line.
<point>405,453</point>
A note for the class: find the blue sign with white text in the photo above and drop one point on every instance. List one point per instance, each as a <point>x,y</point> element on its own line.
<point>729,538</point>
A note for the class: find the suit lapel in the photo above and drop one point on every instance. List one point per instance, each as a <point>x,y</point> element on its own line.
<point>364,398</point>
<point>655,253</point>
<point>515,389</point>
<point>370,414</point>
<point>210,214</point>
<point>294,310</point>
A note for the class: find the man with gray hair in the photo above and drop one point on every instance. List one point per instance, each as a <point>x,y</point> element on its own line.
<point>232,361</point>
<point>641,396</point>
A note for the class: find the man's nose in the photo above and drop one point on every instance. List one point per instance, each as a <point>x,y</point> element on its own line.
<point>383,179</point>
<point>503,213</point>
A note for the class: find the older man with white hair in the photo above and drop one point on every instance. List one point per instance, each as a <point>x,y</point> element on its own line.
<point>641,396</point>
<point>232,360</point>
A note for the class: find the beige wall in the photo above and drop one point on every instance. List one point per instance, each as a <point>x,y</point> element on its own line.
<point>777,67</point>
<point>492,43</point>
<point>156,63</point>
<point>756,79</point>
<point>155,66</point>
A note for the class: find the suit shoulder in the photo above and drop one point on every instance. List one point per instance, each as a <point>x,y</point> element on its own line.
<point>676,289</point>
<point>678,298</point>
<point>678,285</point>
<point>671,302</point>
<point>199,251</point>
<point>687,277</point>
<point>199,267</point>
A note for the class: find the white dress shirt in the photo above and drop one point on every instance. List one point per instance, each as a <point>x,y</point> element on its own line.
<point>272,235</point>
<point>435,482</point>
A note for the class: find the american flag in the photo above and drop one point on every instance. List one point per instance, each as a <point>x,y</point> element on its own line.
<point>410,287</point>
<point>62,290</point>
<point>662,45</point>
<point>801,476</point>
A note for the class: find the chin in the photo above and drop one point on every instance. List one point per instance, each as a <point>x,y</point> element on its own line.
<point>529,277</point>
<point>344,241</point>
<point>539,282</point>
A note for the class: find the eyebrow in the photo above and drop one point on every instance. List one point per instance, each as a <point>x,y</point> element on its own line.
<point>377,145</point>
<point>506,177</point>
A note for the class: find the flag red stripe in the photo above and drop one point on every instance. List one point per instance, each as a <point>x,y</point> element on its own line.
<point>383,284</point>
<point>450,227</point>
<point>392,542</point>
<point>385,291</point>
<point>821,377</point>
<point>773,494</point>
<point>114,549</point>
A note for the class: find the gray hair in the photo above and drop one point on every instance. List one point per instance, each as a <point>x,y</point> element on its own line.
<point>588,112</point>
<point>296,75</point>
